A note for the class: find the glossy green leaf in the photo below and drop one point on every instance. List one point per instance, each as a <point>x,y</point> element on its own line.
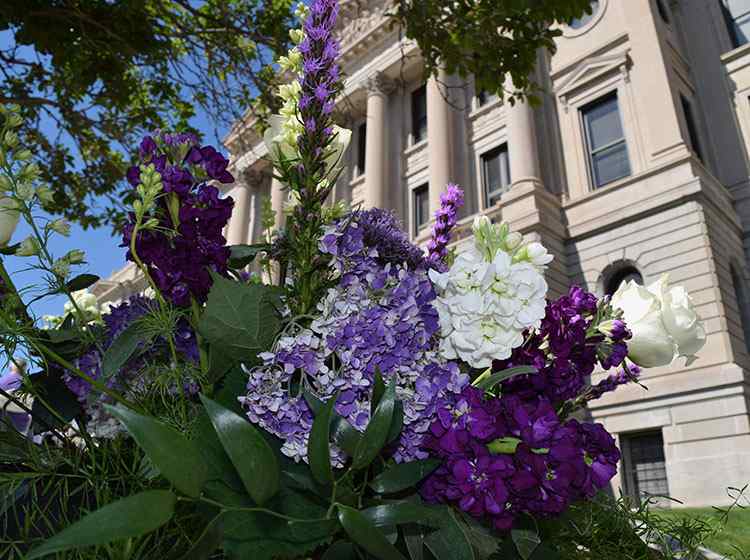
<point>366,535</point>
<point>526,541</point>
<point>414,538</point>
<point>450,542</point>
<point>81,282</point>
<point>490,381</point>
<point>378,389</point>
<point>207,543</point>
<point>344,434</point>
<point>63,404</point>
<point>178,459</point>
<point>242,255</point>
<point>376,434</point>
<point>318,448</point>
<point>249,452</point>
<point>404,512</point>
<point>240,319</point>
<point>126,518</point>
<point>340,550</point>
<point>403,475</point>
<point>121,350</point>
<point>397,423</point>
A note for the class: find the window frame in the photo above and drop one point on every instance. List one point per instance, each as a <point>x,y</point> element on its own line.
<point>692,127</point>
<point>498,150</point>
<point>629,480</point>
<point>621,273</point>
<point>590,152</point>
<point>418,133</point>
<point>422,189</point>
<point>361,159</point>
<point>730,20</point>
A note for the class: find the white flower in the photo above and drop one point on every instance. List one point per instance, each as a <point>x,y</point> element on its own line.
<point>663,322</point>
<point>9,217</point>
<point>342,137</point>
<point>485,305</point>
<point>87,303</point>
<point>280,139</point>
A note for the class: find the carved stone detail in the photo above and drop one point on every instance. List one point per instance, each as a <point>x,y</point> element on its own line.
<point>380,84</point>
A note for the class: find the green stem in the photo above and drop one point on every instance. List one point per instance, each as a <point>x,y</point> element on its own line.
<point>264,511</point>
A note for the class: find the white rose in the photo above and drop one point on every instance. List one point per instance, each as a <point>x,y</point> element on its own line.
<point>663,322</point>
<point>9,217</point>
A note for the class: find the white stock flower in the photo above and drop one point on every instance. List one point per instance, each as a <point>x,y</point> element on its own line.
<point>87,303</point>
<point>9,217</point>
<point>485,306</point>
<point>663,322</point>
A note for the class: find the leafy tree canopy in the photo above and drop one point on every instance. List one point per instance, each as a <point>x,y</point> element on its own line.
<point>92,76</point>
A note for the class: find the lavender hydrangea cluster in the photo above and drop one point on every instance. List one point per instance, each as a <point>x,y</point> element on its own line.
<point>445,220</point>
<point>507,456</point>
<point>119,318</point>
<point>566,348</point>
<point>188,244</point>
<point>379,318</point>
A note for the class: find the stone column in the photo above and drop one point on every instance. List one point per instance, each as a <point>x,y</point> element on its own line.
<point>438,138</point>
<point>238,223</point>
<point>278,195</point>
<point>523,153</point>
<point>378,87</point>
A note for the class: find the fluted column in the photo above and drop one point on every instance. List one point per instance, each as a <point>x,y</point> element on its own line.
<point>523,153</point>
<point>238,223</point>
<point>277,202</point>
<point>376,148</point>
<point>438,139</point>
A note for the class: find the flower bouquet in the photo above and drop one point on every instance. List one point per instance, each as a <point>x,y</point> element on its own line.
<point>360,398</point>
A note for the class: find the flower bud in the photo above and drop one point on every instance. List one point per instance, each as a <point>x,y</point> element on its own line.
<point>60,226</point>
<point>9,217</point>
<point>76,256</point>
<point>503,445</point>
<point>45,194</point>
<point>11,139</point>
<point>22,155</point>
<point>513,240</point>
<point>297,36</point>
<point>25,191</point>
<point>5,183</point>
<point>14,120</point>
<point>61,268</point>
<point>28,248</point>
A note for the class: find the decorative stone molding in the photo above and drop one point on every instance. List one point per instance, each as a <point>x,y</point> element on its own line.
<point>379,84</point>
<point>591,69</point>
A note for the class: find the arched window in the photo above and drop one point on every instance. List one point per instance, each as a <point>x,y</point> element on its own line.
<point>577,23</point>
<point>740,293</point>
<point>619,275</point>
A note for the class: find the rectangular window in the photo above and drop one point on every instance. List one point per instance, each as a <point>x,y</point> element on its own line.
<point>419,114</point>
<point>484,97</point>
<point>495,174</point>
<point>421,207</point>
<point>361,148</point>
<point>605,139</point>
<point>644,465</point>
<point>695,144</point>
<point>737,17</point>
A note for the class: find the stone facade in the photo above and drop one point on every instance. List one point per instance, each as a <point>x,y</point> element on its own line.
<point>681,203</point>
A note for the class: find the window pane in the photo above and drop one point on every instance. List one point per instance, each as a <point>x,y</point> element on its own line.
<point>496,175</point>
<point>421,207</point>
<point>625,274</point>
<point>610,164</point>
<point>361,148</point>
<point>419,114</point>
<point>737,15</point>
<point>687,109</point>
<point>484,97</point>
<point>645,465</point>
<point>603,123</point>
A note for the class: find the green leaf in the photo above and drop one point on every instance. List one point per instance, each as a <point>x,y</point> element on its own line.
<point>376,434</point>
<point>366,535</point>
<point>402,476</point>
<point>318,449</point>
<point>482,540</point>
<point>178,459</point>
<point>124,519</point>
<point>378,389</point>
<point>451,541</point>
<point>249,452</point>
<point>526,541</point>
<point>233,384</point>
<point>340,550</point>
<point>490,381</point>
<point>414,538</point>
<point>81,282</point>
<point>404,512</point>
<point>242,255</point>
<point>207,542</point>
<point>241,320</point>
<point>122,349</point>
<point>63,404</point>
<point>344,434</point>
<point>397,423</point>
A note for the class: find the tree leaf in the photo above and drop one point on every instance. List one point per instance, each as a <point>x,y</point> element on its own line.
<point>242,255</point>
<point>401,513</point>
<point>318,448</point>
<point>123,347</point>
<point>178,459</point>
<point>377,430</point>
<point>340,550</point>
<point>249,452</point>
<point>81,282</point>
<point>490,381</point>
<point>126,518</point>
<point>526,541</point>
<point>450,542</point>
<point>240,319</point>
<point>366,535</point>
<point>402,476</point>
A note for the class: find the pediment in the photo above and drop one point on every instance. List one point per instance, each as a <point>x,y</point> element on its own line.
<point>591,69</point>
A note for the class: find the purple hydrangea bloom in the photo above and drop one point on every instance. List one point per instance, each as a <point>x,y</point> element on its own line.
<point>445,220</point>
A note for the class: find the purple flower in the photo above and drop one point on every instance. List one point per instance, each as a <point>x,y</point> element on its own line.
<point>445,220</point>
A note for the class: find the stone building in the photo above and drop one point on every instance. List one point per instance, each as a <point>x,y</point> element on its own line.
<point>635,164</point>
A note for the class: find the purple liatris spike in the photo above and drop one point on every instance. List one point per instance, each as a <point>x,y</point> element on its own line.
<point>445,220</point>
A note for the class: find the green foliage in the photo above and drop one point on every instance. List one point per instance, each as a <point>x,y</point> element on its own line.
<point>318,449</point>
<point>403,476</point>
<point>486,39</point>
<point>100,73</point>
<point>123,348</point>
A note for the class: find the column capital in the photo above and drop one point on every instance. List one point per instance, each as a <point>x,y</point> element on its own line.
<point>253,178</point>
<point>379,84</point>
